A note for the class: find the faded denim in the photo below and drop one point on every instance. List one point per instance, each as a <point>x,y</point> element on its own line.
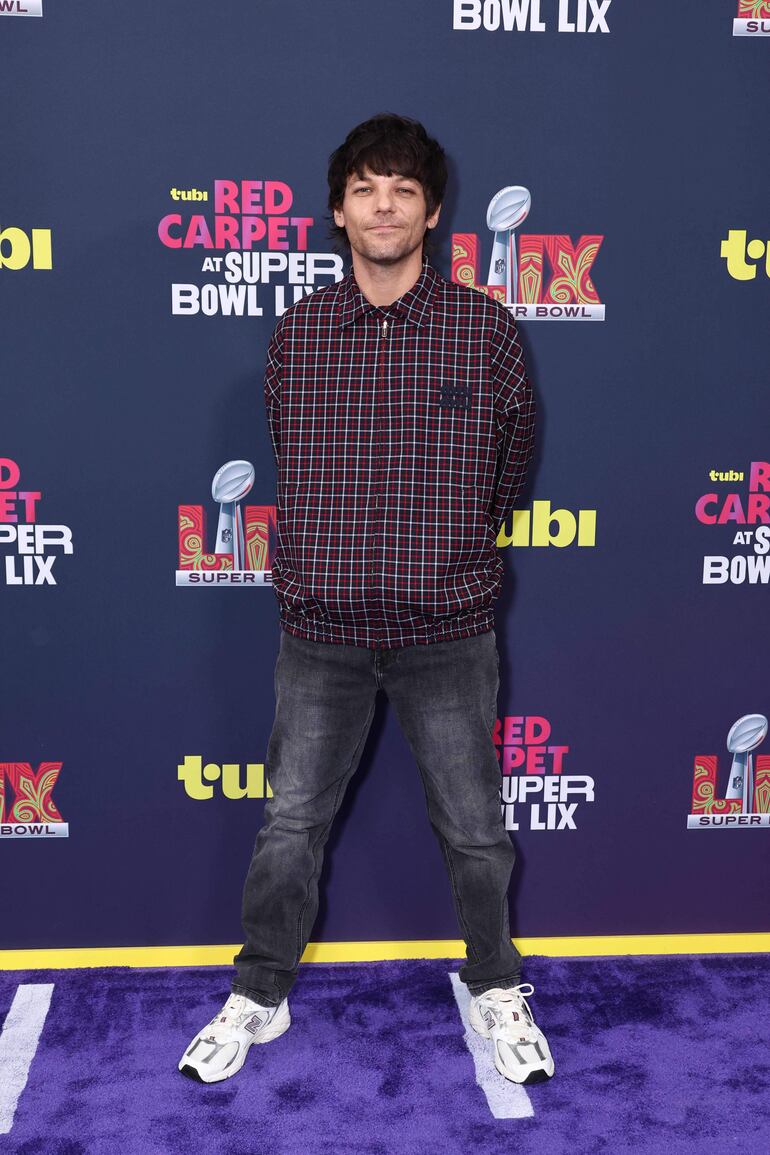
<point>445,699</point>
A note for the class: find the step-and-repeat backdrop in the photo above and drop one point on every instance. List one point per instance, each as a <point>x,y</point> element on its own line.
<point>162,202</point>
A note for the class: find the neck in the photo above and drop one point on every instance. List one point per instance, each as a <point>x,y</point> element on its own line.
<point>384,284</point>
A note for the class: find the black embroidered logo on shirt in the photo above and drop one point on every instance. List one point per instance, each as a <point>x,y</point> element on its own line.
<point>455,396</point>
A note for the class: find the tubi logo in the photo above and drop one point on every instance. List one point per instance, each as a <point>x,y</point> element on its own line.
<point>753,18</point>
<point>27,809</point>
<point>735,250</point>
<point>189,194</point>
<point>544,526</point>
<point>17,249</point>
<point>195,777</point>
<point>747,797</point>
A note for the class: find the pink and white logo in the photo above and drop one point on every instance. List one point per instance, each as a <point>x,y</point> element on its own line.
<point>30,548</point>
<point>538,790</point>
<point>737,508</point>
<point>245,247</point>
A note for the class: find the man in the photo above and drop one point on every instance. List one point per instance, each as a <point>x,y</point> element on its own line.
<point>401,419</point>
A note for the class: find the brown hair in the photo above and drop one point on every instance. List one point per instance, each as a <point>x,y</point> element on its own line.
<point>387,144</point>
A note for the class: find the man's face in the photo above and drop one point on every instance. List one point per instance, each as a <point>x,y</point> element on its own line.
<point>384,216</point>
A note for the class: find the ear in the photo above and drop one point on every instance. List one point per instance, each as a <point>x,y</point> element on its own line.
<point>339,218</point>
<point>432,221</point>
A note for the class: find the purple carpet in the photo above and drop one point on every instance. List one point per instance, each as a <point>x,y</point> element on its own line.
<point>653,1055</point>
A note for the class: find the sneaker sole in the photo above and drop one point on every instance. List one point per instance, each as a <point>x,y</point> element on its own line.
<point>538,1076</point>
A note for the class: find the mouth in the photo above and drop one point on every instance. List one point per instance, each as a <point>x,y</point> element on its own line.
<point>382,228</point>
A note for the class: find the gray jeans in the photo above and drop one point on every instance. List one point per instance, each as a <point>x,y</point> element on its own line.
<point>445,699</point>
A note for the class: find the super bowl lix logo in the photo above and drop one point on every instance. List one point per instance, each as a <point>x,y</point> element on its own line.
<point>243,543</point>
<point>546,277</point>
<point>753,18</point>
<point>747,797</point>
<point>535,793</point>
<point>736,508</point>
<point>33,547</point>
<point>27,809</point>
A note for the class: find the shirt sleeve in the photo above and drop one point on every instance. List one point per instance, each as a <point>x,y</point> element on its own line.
<point>515,419</point>
<point>273,372</point>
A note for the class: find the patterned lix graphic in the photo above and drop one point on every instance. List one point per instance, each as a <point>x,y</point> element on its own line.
<point>753,18</point>
<point>747,796</point>
<point>553,279</point>
<point>27,809</point>
<point>242,549</point>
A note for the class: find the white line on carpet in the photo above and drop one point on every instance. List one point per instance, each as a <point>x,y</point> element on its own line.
<point>506,1100</point>
<point>18,1043</point>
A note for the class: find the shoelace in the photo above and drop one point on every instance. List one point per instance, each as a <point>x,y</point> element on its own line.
<point>512,998</point>
<point>233,1010</point>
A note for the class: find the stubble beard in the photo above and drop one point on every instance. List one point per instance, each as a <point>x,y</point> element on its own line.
<point>377,257</point>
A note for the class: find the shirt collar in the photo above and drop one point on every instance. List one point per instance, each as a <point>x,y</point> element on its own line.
<point>415,304</point>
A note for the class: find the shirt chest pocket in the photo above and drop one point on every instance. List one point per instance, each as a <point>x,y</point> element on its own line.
<point>455,396</point>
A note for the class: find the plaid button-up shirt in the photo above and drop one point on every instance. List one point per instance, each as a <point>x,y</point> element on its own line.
<point>402,435</point>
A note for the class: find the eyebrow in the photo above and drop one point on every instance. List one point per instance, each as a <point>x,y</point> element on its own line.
<point>398,176</point>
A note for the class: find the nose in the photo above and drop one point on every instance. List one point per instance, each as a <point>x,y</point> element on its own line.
<point>383,200</point>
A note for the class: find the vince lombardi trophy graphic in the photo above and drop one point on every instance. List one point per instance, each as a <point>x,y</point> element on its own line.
<point>747,733</point>
<point>506,211</point>
<point>230,485</point>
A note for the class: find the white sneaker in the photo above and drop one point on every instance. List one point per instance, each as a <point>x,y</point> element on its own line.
<point>521,1051</point>
<point>220,1049</point>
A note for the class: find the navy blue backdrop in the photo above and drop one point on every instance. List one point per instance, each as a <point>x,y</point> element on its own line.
<point>640,144</point>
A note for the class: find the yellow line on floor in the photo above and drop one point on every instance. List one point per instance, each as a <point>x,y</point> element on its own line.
<point>325,952</point>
